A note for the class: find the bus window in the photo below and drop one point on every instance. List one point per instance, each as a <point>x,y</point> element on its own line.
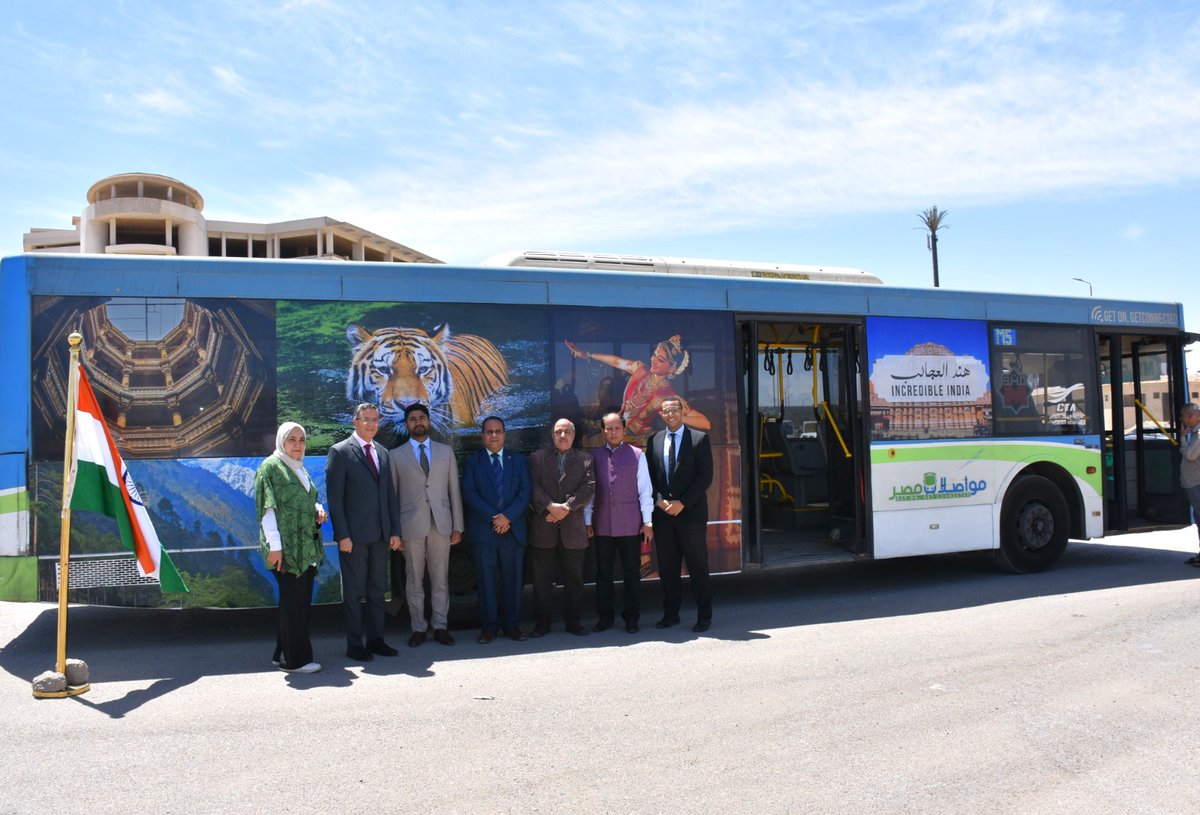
<point>1042,385</point>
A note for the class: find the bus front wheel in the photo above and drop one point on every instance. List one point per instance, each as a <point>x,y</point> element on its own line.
<point>1034,524</point>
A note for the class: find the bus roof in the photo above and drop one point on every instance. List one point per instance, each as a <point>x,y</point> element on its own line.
<point>136,276</point>
<point>689,266</point>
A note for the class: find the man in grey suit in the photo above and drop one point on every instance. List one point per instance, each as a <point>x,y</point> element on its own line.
<point>563,481</point>
<point>425,477</point>
<point>366,520</point>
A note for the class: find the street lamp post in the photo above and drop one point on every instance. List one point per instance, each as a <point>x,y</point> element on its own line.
<point>1088,282</point>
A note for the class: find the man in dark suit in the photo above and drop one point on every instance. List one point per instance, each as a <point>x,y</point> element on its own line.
<point>681,468</point>
<point>564,481</point>
<point>366,521</point>
<point>495,490</point>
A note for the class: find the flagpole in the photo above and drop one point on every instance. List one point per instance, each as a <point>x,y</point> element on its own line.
<point>64,542</point>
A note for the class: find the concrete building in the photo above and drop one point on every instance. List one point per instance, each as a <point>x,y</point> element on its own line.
<point>148,214</point>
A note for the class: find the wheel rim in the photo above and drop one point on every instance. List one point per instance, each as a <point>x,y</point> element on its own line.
<point>1035,526</point>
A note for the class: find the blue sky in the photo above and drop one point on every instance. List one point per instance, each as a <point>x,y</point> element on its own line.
<point>1062,136</point>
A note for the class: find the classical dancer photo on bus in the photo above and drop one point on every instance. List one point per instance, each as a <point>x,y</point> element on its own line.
<point>650,384</point>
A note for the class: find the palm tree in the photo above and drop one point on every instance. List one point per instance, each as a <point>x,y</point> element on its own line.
<point>933,219</point>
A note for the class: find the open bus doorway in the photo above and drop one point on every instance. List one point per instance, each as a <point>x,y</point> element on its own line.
<point>803,386</point>
<point>1144,386</point>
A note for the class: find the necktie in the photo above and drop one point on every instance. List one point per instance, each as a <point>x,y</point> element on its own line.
<point>371,461</point>
<point>671,454</point>
<point>424,460</point>
<point>497,474</point>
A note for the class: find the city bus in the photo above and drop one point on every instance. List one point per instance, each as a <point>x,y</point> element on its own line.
<point>849,421</point>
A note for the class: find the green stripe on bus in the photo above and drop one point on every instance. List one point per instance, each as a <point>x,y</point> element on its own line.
<point>1075,460</point>
<point>17,501</point>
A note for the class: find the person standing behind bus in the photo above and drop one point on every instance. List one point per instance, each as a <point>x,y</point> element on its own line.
<point>1189,467</point>
<point>681,469</point>
<point>495,490</point>
<point>619,521</point>
<point>289,520</point>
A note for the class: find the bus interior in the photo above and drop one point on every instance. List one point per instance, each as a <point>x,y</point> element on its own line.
<point>803,389</point>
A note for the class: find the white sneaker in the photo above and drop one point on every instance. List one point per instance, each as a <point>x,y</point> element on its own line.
<point>310,668</point>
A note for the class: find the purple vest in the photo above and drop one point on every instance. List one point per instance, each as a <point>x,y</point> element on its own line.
<point>616,511</point>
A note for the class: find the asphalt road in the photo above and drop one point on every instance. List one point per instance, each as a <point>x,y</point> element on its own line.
<point>933,685</point>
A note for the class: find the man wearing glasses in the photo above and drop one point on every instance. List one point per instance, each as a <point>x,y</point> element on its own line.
<point>495,490</point>
<point>681,469</point>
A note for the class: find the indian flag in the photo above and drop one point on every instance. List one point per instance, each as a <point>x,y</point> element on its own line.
<point>94,485</point>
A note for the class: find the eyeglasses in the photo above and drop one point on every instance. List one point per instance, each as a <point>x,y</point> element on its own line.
<point>669,411</point>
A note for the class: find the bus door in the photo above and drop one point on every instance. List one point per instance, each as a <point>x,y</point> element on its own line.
<point>1144,386</point>
<point>802,389</point>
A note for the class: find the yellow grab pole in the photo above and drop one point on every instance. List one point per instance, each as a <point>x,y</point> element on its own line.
<point>833,424</point>
<point>1146,410</point>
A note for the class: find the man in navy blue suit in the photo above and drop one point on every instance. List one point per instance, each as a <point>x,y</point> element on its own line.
<point>496,491</point>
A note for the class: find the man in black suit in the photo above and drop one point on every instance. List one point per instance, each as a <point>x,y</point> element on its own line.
<point>366,521</point>
<point>681,468</point>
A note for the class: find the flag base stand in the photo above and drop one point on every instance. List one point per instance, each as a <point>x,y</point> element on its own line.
<point>72,680</point>
<point>71,690</point>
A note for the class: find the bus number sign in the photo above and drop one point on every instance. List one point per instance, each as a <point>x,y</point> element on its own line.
<point>1004,336</point>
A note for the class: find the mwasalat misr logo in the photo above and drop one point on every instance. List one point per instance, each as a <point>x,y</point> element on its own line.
<point>934,487</point>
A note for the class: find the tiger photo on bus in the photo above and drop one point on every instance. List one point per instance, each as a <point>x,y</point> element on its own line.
<point>396,366</point>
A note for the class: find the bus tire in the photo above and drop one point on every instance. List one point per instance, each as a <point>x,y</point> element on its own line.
<point>1034,524</point>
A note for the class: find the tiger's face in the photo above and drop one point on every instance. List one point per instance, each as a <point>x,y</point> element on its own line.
<point>395,367</point>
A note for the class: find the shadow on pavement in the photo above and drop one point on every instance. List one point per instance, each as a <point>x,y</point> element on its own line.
<point>170,649</point>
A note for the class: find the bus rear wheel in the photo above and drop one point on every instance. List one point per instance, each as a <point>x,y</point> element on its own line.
<point>1034,524</point>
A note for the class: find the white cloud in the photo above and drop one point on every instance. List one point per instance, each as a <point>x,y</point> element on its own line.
<point>466,128</point>
<point>809,151</point>
<point>1134,232</point>
<point>229,80</point>
<point>163,102</point>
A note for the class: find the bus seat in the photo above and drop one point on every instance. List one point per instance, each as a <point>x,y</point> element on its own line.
<point>800,463</point>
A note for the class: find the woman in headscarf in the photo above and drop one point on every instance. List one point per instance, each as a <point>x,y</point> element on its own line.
<point>649,384</point>
<point>289,520</point>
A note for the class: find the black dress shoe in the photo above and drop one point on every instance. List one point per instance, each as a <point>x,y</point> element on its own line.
<point>667,622</point>
<point>602,625</point>
<point>701,626</point>
<point>442,636</point>
<point>515,633</point>
<point>577,629</point>
<point>631,627</point>
<point>486,636</point>
<point>358,653</point>
<point>382,648</point>
<point>540,630</point>
<point>416,639</point>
